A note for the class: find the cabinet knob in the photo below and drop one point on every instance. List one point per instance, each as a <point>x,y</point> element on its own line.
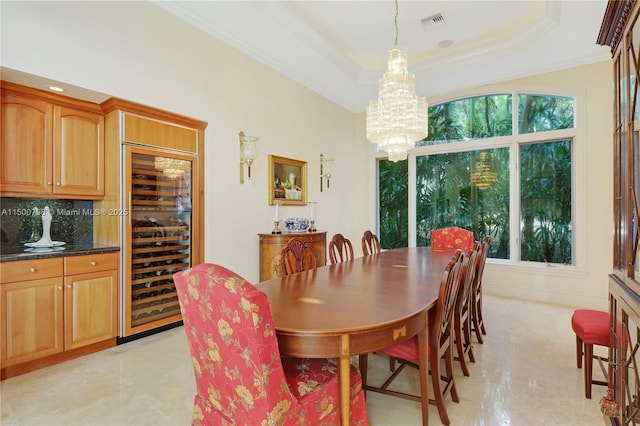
<point>69,286</point>
<point>59,287</point>
<point>32,269</point>
<point>49,183</point>
<point>94,263</point>
<point>58,184</point>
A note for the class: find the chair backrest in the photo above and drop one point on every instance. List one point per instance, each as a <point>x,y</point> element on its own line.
<point>297,256</point>
<point>370,243</point>
<point>340,249</point>
<point>447,297</point>
<point>467,278</point>
<point>451,237</point>
<point>484,252</point>
<point>234,351</point>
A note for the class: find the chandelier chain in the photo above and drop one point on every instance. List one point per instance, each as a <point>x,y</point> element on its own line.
<point>396,22</point>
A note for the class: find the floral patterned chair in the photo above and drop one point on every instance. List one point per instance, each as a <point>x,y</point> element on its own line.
<point>240,377</point>
<point>450,238</point>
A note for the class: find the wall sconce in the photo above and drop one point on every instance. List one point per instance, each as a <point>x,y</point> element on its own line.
<point>326,168</point>
<point>248,153</point>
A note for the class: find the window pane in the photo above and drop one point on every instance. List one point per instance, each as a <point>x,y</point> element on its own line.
<point>538,113</point>
<point>446,197</point>
<point>394,203</point>
<point>546,209</point>
<point>479,117</point>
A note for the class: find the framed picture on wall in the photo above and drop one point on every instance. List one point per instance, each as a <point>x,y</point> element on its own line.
<point>287,181</point>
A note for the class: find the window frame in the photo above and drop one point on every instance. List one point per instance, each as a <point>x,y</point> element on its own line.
<point>579,173</point>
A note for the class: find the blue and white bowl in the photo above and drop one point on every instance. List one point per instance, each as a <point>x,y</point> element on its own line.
<point>296,224</point>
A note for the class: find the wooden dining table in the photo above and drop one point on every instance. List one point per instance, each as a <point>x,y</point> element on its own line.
<point>358,307</point>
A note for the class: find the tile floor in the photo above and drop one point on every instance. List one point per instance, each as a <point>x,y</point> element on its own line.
<point>525,374</point>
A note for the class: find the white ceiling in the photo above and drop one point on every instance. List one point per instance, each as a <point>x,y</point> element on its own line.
<point>339,48</point>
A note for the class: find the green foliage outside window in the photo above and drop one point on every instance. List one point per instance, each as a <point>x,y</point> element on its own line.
<point>445,195</point>
<point>394,204</point>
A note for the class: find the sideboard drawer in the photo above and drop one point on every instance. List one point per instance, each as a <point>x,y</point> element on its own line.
<point>26,270</point>
<point>74,265</point>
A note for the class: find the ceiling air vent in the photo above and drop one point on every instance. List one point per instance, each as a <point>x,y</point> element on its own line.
<point>433,20</point>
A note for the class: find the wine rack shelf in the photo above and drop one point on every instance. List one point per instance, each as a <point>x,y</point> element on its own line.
<point>160,239</point>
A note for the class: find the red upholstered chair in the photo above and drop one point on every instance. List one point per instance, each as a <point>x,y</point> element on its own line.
<point>340,249</point>
<point>591,328</point>
<point>440,345</point>
<point>477,322</point>
<point>370,243</point>
<point>240,377</point>
<point>450,238</point>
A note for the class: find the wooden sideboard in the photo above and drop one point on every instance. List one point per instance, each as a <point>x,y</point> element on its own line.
<point>272,244</point>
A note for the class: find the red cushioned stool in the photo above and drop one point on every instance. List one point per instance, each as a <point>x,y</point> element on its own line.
<point>591,328</point>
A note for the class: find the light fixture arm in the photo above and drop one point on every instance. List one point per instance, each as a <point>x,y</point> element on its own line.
<point>247,153</point>
<point>326,169</point>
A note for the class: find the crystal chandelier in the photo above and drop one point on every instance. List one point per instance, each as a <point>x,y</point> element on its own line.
<point>172,167</point>
<point>483,176</point>
<point>399,118</point>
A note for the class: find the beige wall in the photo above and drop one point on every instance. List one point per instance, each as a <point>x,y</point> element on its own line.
<point>136,51</point>
<point>586,283</point>
<point>163,62</point>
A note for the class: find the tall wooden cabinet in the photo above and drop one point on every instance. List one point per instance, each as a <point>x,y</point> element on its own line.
<point>161,157</point>
<point>50,146</point>
<point>621,31</point>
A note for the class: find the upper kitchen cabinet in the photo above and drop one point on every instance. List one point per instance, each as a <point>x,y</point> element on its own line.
<point>50,146</point>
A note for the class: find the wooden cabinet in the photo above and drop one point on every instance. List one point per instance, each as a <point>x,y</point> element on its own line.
<point>161,158</point>
<point>50,146</point>
<point>32,310</point>
<point>52,306</point>
<point>272,244</point>
<point>90,299</point>
<point>621,31</point>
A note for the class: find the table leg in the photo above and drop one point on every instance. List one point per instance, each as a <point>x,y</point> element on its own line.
<point>345,379</point>
<point>423,351</point>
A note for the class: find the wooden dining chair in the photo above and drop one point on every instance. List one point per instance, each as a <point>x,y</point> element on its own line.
<point>340,249</point>
<point>240,375</point>
<point>451,237</point>
<point>440,346</point>
<point>477,322</point>
<point>297,256</point>
<point>462,314</point>
<point>370,243</point>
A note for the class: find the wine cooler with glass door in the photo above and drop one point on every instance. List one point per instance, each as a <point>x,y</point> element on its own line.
<point>159,235</point>
<point>152,208</point>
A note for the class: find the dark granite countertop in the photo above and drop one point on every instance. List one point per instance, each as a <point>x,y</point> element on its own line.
<point>11,253</point>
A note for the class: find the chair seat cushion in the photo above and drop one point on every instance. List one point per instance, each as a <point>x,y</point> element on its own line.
<point>304,374</point>
<point>591,326</point>
<point>405,350</point>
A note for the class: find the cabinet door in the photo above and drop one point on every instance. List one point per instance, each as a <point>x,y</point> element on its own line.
<point>79,152</point>
<point>26,153</point>
<point>32,315</point>
<point>90,314</point>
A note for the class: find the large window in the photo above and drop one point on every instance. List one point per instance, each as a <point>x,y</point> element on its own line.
<point>489,163</point>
